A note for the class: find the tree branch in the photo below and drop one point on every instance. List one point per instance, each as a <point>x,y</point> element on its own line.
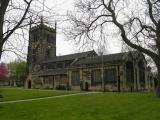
<point>151,12</point>
<point>20,22</point>
<point>123,33</point>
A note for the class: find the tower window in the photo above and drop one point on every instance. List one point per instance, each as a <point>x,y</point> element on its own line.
<point>51,39</point>
<point>35,37</point>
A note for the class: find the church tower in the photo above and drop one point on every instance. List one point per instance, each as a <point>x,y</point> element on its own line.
<point>42,44</point>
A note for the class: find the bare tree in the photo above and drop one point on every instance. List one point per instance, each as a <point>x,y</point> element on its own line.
<point>8,24</point>
<point>136,22</point>
<point>15,18</point>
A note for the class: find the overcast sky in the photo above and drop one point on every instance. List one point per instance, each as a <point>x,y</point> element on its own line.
<point>60,7</point>
<point>67,47</point>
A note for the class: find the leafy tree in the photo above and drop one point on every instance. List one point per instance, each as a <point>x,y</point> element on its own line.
<point>17,71</point>
<point>136,22</point>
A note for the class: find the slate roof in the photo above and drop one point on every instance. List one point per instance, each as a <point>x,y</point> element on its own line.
<point>68,57</point>
<point>109,59</point>
<point>47,72</point>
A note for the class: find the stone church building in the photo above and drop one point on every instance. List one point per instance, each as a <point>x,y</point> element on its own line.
<point>81,71</point>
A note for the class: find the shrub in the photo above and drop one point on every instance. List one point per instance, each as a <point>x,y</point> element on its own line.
<point>60,87</point>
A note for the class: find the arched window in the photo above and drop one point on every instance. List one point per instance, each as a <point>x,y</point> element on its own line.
<point>130,75</point>
<point>141,74</point>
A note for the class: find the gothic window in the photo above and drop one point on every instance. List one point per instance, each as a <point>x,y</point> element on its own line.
<point>96,77</point>
<point>75,78</point>
<point>110,76</point>
<point>129,73</point>
<point>35,37</point>
<point>141,74</point>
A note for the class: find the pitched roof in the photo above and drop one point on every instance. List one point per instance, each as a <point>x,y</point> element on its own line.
<point>47,72</point>
<point>110,59</point>
<point>68,57</point>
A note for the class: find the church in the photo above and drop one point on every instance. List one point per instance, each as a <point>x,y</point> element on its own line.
<point>82,71</point>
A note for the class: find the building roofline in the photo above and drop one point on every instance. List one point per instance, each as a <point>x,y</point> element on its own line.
<point>42,26</point>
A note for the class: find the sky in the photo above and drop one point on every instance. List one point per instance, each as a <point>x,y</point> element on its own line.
<point>67,47</point>
<point>64,46</point>
<point>61,7</point>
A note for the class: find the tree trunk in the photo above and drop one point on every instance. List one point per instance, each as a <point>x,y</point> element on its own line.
<point>1,36</point>
<point>158,82</point>
<point>1,47</point>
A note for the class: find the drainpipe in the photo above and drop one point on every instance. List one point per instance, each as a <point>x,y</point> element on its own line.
<point>103,82</point>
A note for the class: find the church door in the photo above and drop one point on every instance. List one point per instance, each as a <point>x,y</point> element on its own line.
<point>29,84</point>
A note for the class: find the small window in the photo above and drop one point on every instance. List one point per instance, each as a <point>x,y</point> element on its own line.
<point>35,37</point>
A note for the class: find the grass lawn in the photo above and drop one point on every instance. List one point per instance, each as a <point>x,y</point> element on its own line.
<point>20,93</point>
<point>99,106</point>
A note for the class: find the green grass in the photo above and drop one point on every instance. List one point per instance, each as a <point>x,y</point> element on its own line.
<point>99,106</point>
<point>20,93</point>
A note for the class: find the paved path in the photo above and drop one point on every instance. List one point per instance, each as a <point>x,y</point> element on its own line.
<point>45,98</point>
